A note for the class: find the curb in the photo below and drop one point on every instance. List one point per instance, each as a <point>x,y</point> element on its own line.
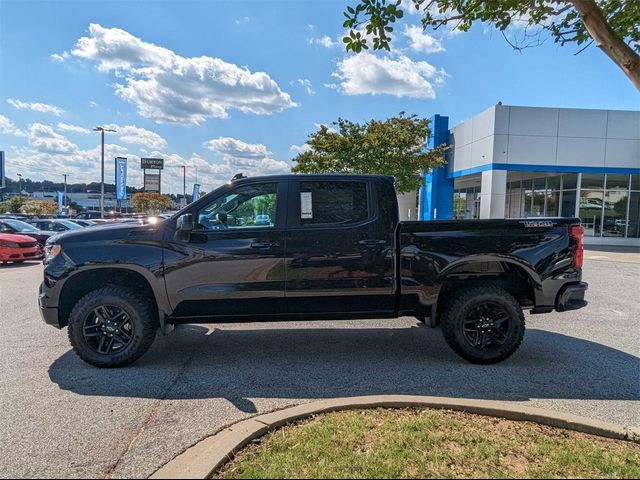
<point>205,457</point>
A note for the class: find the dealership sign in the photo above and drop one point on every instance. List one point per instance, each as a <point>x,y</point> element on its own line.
<point>152,163</point>
<point>152,182</point>
<point>121,178</point>
<point>2,185</point>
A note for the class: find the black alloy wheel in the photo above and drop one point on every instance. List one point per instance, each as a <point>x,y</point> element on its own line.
<point>108,329</point>
<point>487,324</point>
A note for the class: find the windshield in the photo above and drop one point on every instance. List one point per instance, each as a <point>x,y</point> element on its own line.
<point>20,226</point>
<point>70,225</point>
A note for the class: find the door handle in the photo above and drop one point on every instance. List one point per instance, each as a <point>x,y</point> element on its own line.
<point>372,243</point>
<point>264,245</point>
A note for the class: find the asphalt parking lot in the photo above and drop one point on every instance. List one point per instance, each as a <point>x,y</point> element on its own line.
<point>62,418</point>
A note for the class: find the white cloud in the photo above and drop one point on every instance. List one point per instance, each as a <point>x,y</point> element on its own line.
<point>233,148</point>
<point>93,104</point>
<point>326,41</point>
<point>170,88</point>
<point>398,76</point>
<point>308,86</point>
<point>139,136</point>
<point>242,21</point>
<point>421,41</point>
<point>59,57</point>
<point>45,140</point>
<point>35,106</point>
<point>8,128</point>
<point>66,127</point>
<point>409,6</point>
<point>253,159</point>
<point>298,149</point>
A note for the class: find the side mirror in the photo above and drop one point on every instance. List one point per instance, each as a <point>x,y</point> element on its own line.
<point>184,227</point>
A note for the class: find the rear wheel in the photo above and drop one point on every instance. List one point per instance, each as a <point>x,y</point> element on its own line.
<point>112,327</point>
<point>484,324</point>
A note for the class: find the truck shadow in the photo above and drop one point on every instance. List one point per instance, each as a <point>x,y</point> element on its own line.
<point>318,363</point>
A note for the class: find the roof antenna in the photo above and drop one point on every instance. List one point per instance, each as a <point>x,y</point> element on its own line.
<point>238,176</point>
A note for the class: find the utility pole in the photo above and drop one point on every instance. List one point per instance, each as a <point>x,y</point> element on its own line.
<point>102,130</point>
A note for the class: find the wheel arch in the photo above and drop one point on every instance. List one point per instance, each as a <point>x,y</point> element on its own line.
<point>86,280</point>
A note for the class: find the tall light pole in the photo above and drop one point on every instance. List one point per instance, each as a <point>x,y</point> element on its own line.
<point>64,198</point>
<point>184,183</point>
<point>102,130</point>
<point>19,184</point>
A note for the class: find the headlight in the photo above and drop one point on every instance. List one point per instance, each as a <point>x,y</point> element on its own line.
<point>51,252</point>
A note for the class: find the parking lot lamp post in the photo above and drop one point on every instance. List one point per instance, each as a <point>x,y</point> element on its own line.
<point>64,198</point>
<point>19,184</point>
<point>102,130</point>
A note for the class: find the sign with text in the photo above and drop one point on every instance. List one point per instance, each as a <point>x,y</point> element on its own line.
<point>2,185</point>
<point>152,163</point>
<point>152,182</point>
<point>121,178</point>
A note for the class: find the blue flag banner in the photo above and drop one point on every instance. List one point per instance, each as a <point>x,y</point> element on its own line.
<point>60,200</point>
<point>121,178</point>
<point>196,192</point>
<point>2,185</point>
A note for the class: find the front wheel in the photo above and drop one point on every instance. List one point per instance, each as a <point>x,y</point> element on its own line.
<point>112,326</point>
<point>484,324</point>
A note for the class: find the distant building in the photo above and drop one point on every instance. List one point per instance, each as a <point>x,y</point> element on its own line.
<point>518,162</point>
<point>88,201</point>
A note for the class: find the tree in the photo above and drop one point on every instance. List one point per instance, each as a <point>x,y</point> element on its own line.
<point>152,203</point>
<point>39,207</point>
<point>396,146</point>
<point>614,25</point>
<point>13,205</point>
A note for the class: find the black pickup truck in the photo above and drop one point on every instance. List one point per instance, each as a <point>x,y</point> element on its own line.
<point>308,247</point>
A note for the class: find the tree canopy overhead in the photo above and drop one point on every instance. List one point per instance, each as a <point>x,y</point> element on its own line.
<point>396,146</point>
<point>613,25</point>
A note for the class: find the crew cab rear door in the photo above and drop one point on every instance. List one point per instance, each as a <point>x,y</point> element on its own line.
<point>233,261</point>
<point>339,256</point>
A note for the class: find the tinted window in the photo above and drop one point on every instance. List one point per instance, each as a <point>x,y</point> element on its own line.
<point>334,203</point>
<point>245,207</point>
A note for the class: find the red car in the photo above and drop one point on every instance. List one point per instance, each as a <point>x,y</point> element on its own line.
<point>18,248</point>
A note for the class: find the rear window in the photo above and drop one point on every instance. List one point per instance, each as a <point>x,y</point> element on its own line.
<point>333,203</point>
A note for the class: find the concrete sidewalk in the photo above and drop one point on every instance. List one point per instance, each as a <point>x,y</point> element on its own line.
<point>612,253</point>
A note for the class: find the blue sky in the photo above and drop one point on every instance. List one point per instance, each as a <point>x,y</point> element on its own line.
<point>238,86</point>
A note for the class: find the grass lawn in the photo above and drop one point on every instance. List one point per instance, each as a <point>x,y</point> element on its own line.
<point>416,443</point>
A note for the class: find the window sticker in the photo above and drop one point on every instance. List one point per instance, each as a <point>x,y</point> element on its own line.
<point>306,205</point>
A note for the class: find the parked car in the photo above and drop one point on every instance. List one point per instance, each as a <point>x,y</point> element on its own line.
<point>12,225</point>
<point>18,248</point>
<point>335,249</point>
<point>81,222</point>
<point>92,214</point>
<point>54,224</point>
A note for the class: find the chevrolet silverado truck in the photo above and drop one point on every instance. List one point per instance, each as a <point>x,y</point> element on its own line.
<point>308,247</point>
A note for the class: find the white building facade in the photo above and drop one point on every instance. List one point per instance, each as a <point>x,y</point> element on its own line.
<point>520,162</point>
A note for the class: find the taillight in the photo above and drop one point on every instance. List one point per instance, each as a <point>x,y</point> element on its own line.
<point>577,232</point>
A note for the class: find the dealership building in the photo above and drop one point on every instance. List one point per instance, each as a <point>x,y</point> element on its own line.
<point>522,162</point>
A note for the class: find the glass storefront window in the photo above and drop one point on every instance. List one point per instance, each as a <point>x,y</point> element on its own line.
<point>568,207</point>
<point>592,181</point>
<point>553,196</point>
<point>634,216</point>
<point>570,181</point>
<point>615,213</point>
<point>591,212</point>
<point>635,182</point>
<point>617,182</point>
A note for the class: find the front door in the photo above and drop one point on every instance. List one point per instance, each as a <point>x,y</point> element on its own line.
<point>232,262</point>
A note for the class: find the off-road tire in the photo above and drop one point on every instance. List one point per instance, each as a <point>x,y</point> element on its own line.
<point>142,317</point>
<point>461,305</point>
